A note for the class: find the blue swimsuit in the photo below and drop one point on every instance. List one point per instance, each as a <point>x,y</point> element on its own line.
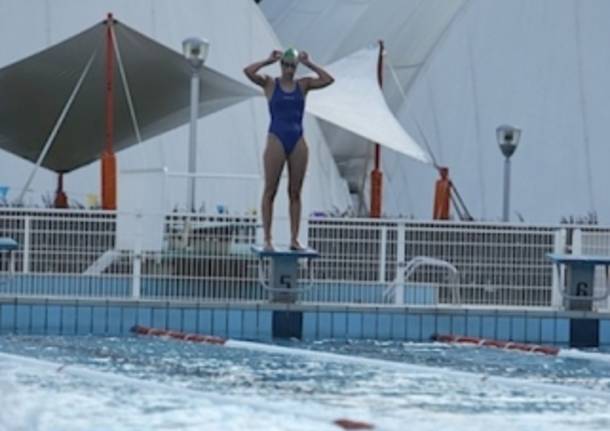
<point>287,115</point>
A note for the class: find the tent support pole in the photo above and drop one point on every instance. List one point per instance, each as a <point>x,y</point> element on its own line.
<point>53,134</point>
<point>108,165</point>
<point>376,175</point>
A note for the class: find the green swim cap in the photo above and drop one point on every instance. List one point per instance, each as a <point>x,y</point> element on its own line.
<point>291,54</point>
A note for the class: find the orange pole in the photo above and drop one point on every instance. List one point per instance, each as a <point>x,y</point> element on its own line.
<point>61,200</point>
<point>442,195</point>
<point>109,177</point>
<point>376,175</point>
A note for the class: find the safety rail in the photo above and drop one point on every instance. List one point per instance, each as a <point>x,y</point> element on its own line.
<point>65,253</point>
<point>400,287</point>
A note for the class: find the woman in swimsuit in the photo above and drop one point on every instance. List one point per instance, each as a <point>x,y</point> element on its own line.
<point>285,142</point>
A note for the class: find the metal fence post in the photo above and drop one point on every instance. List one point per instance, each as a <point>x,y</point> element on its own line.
<point>26,244</point>
<point>559,247</point>
<point>382,254</point>
<point>400,262</point>
<point>136,273</point>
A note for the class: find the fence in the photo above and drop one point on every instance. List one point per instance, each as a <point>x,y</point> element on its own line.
<point>208,258</point>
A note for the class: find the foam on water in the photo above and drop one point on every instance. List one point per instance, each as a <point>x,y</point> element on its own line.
<point>173,385</point>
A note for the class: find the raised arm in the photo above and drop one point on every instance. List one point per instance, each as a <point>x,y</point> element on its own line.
<point>324,79</point>
<point>251,71</point>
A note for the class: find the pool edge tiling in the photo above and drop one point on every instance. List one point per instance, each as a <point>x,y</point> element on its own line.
<point>264,321</point>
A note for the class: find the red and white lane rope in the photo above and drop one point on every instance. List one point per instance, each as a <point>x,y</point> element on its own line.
<point>499,344</point>
<point>195,338</point>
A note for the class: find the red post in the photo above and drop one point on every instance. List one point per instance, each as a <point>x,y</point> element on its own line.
<point>109,177</point>
<point>376,175</point>
<point>61,200</point>
<point>442,195</point>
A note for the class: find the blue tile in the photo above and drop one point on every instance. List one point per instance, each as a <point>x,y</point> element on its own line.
<point>159,318</point>
<point>145,316</point>
<point>428,327</point>
<point>458,325</point>
<point>384,326</point>
<point>473,326</point>
<point>369,325</point>
<point>250,325</point>
<point>310,326</point>
<point>115,321</point>
<point>339,327</point>
<point>533,330</point>
<point>100,325</point>
<point>7,318</point>
<point>83,320</point>
<point>219,322</point>
<point>354,325</point>
<point>265,324</point>
<point>130,319</point>
<point>563,331</point>
<point>604,333</point>
<point>38,319</point>
<point>324,325</point>
<point>23,318</point>
<point>68,320</point>
<point>413,327</point>
<point>53,319</point>
<point>504,328</point>
<point>189,322</point>
<point>204,318</point>
<point>398,326</point>
<point>489,327</point>
<point>443,325</point>
<point>235,329</point>
<point>548,331</point>
<point>518,329</point>
<point>174,319</point>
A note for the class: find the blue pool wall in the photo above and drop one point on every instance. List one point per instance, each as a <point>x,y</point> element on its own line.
<point>264,322</point>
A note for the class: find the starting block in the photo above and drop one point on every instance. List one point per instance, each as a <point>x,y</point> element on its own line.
<point>282,280</point>
<point>7,248</point>
<point>576,285</point>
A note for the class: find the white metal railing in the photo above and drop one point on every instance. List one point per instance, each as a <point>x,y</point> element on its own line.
<point>399,290</point>
<point>499,264</point>
<point>207,258</point>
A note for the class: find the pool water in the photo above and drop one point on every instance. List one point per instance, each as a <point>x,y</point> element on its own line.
<point>150,383</point>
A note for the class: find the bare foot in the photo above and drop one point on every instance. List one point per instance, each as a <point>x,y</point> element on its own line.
<point>268,246</point>
<point>296,246</point>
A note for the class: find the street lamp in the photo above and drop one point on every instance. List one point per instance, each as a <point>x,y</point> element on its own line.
<point>195,50</point>
<point>508,139</point>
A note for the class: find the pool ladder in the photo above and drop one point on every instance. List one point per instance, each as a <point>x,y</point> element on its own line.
<point>405,271</point>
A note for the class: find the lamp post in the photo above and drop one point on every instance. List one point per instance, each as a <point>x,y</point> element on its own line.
<point>195,50</point>
<point>508,139</point>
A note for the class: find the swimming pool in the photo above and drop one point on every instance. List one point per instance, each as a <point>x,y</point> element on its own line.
<point>148,383</point>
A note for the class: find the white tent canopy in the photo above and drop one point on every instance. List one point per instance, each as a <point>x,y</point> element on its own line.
<point>230,141</point>
<point>411,31</point>
<point>36,89</point>
<point>355,103</point>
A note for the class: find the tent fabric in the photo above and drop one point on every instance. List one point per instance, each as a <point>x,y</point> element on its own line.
<point>411,31</point>
<point>355,103</point>
<point>34,91</point>
<point>230,141</point>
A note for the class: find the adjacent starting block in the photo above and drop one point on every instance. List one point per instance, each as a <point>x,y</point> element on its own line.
<point>577,283</point>
<point>7,259</point>
<point>8,244</point>
<point>282,279</point>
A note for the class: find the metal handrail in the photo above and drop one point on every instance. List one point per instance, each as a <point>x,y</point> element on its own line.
<point>403,274</point>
